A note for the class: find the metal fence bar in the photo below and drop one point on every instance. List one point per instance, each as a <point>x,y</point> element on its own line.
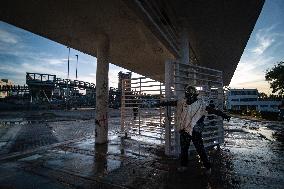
<point>205,79</point>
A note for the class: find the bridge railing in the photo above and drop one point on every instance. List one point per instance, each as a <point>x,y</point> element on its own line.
<point>38,79</point>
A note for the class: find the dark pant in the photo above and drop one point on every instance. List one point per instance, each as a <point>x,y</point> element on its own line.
<point>135,112</point>
<point>196,138</point>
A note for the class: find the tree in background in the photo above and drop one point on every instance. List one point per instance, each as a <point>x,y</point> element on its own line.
<point>262,95</point>
<point>275,76</point>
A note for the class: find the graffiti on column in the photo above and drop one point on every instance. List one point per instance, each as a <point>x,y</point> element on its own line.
<point>102,121</point>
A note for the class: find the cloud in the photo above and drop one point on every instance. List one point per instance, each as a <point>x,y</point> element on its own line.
<point>86,78</point>
<point>11,69</point>
<point>250,72</point>
<point>55,61</point>
<point>265,38</point>
<point>6,37</point>
<point>21,52</point>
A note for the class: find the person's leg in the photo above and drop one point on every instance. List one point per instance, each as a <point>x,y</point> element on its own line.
<point>184,145</point>
<point>198,143</point>
<point>135,113</point>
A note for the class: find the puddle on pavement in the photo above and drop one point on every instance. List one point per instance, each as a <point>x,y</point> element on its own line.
<point>94,165</point>
<point>257,155</point>
<point>31,158</point>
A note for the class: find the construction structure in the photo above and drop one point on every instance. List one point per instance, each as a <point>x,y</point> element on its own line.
<point>47,88</point>
<point>47,84</point>
<point>148,37</point>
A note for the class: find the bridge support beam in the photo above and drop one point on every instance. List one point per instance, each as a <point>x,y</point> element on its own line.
<point>179,86</point>
<point>101,130</point>
<point>184,46</point>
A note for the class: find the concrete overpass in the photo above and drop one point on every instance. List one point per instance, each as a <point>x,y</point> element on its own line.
<point>140,35</point>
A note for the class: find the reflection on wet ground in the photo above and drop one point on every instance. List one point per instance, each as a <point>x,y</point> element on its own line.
<point>256,154</point>
<point>251,157</point>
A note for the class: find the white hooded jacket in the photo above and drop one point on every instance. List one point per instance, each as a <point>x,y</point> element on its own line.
<point>188,115</point>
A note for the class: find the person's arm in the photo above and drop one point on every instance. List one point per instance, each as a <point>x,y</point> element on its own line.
<point>167,103</point>
<point>212,110</point>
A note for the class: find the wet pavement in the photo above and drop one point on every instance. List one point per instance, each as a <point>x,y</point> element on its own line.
<point>59,152</point>
<point>256,153</point>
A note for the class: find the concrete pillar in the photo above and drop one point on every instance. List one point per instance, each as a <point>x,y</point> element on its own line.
<point>100,163</point>
<point>184,59</point>
<point>101,130</point>
<point>184,46</point>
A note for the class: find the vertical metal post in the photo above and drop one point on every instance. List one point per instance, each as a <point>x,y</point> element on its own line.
<point>168,79</point>
<point>77,66</point>
<point>179,95</point>
<point>139,114</point>
<point>122,108</point>
<point>68,61</point>
<point>160,107</point>
<point>220,102</point>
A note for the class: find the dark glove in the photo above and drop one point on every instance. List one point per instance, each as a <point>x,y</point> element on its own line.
<point>227,117</point>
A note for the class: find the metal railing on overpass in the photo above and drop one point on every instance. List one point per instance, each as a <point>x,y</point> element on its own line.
<point>161,16</point>
<point>38,79</point>
<point>14,88</point>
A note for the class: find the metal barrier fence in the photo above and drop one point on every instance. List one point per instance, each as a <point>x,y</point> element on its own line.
<point>140,116</point>
<point>139,113</point>
<point>209,83</point>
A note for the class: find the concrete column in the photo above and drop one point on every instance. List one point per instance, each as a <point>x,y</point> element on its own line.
<point>184,59</point>
<point>100,163</point>
<point>101,131</point>
<point>184,46</point>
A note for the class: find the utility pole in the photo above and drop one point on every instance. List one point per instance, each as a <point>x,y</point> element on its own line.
<point>76,79</point>
<point>67,90</point>
<point>76,67</point>
<point>68,61</point>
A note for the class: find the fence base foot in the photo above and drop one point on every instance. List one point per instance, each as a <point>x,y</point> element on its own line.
<point>125,136</point>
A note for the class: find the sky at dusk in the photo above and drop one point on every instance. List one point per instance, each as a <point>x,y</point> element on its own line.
<point>22,51</point>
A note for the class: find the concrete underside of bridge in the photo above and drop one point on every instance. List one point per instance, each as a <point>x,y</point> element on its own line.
<point>218,30</point>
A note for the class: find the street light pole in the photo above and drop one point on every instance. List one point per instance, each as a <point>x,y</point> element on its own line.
<point>76,67</point>
<point>76,79</point>
<point>68,61</point>
<point>67,90</point>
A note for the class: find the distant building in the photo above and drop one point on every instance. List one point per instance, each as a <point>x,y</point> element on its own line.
<point>126,86</point>
<point>248,99</point>
<point>5,82</point>
<point>268,105</point>
<point>124,76</point>
<point>241,99</point>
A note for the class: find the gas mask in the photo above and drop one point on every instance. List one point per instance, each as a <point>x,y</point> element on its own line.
<point>190,94</point>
